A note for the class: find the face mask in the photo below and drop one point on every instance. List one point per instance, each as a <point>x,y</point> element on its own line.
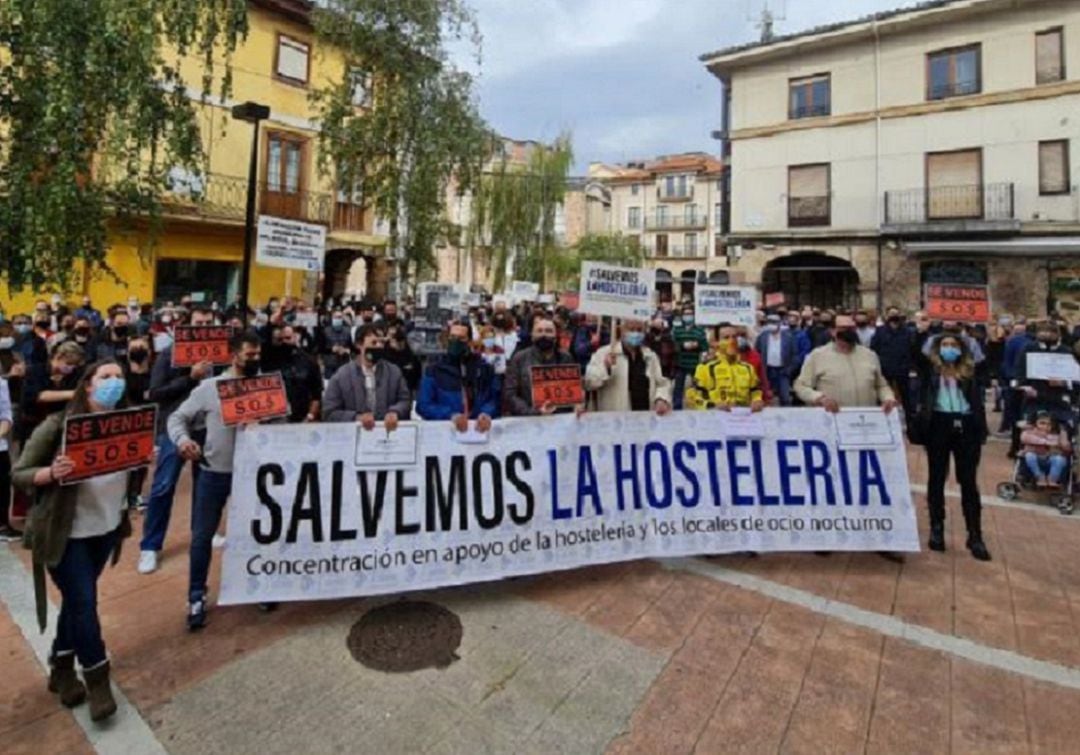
<point>6,344</point>
<point>22,329</point>
<point>688,319</point>
<point>66,369</point>
<point>499,323</point>
<point>138,356</point>
<point>166,319</point>
<point>337,323</point>
<point>133,303</point>
<point>120,330</point>
<point>109,391</point>
<point>894,320</point>
<point>950,354</point>
<point>545,343</point>
<point>162,341</point>
<point>634,339</point>
<point>850,337</point>
<point>456,349</point>
<point>374,354</point>
<point>250,368</point>
<point>730,346</point>
<point>368,318</point>
<point>743,344</point>
<point>43,324</point>
<point>489,343</point>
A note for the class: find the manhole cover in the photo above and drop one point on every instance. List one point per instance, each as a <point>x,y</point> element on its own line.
<point>406,636</point>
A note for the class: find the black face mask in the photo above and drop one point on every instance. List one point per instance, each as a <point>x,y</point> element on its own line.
<point>850,337</point>
<point>138,356</point>
<point>44,324</point>
<point>545,344</point>
<point>368,318</point>
<point>251,368</point>
<point>895,320</point>
<point>374,354</point>
<point>120,331</point>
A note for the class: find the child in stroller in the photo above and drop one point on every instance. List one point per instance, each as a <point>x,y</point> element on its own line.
<point>1046,452</point>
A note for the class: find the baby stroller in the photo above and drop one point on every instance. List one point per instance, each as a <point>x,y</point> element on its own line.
<point>1023,480</point>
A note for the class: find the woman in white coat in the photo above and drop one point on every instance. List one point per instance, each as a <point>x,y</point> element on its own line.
<point>626,375</point>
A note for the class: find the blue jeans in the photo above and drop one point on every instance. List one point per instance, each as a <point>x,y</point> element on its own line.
<point>211,494</point>
<point>680,387</point>
<point>162,492</point>
<point>1051,467</point>
<point>781,384</point>
<point>76,576</point>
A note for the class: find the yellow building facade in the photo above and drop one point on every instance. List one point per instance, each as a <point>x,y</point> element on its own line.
<point>199,249</point>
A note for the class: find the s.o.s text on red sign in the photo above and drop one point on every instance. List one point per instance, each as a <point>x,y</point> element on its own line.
<point>964,303</point>
<point>247,400</point>
<point>201,343</point>
<point>108,442</point>
<point>557,384</point>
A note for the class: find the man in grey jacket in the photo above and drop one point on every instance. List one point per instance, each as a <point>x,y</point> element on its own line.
<point>215,458</point>
<point>369,389</point>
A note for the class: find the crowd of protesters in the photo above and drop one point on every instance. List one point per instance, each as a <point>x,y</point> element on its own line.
<point>362,362</point>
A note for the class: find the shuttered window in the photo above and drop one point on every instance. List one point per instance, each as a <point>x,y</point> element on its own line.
<point>292,60</point>
<point>808,195</point>
<point>1054,167</point>
<point>1049,56</point>
<point>954,185</point>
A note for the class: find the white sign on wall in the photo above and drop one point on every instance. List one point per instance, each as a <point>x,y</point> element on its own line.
<point>290,244</point>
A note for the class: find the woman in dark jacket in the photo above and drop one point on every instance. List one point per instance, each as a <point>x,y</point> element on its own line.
<point>951,421</point>
<point>137,370</point>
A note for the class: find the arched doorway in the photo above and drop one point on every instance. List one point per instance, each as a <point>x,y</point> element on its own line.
<point>812,279</point>
<point>664,284</point>
<point>349,272</point>
<point>719,278</point>
<point>687,280</point>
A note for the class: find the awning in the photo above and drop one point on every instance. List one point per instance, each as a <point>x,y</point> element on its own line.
<point>1047,246</point>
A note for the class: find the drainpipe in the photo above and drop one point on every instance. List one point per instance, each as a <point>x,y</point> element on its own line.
<point>879,200</point>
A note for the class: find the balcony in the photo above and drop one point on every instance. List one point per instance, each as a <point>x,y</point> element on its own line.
<point>678,252</point>
<point>663,221</point>
<point>675,195</point>
<point>957,209</point>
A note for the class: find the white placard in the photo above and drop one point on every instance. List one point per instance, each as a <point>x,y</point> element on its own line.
<point>614,291</point>
<point>1047,366</point>
<point>450,294</point>
<point>545,494</point>
<point>864,428</point>
<point>740,422</point>
<point>379,449</point>
<point>290,244</point>
<point>309,320</point>
<point>731,304</point>
<point>525,291</point>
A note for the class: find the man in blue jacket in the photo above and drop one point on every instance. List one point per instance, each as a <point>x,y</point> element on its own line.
<point>894,344</point>
<point>460,386</point>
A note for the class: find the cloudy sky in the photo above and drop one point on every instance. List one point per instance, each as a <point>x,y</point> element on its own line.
<point>622,75</point>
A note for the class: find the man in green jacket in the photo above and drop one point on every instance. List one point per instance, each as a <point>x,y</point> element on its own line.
<point>690,344</point>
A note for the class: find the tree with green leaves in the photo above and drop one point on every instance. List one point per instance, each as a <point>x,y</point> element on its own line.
<point>514,210</point>
<point>420,130</point>
<point>93,116</point>
<point>610,249</point>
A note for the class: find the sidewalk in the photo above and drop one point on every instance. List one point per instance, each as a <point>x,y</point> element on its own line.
<point>792,653</point>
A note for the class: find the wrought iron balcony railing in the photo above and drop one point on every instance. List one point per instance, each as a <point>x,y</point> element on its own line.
<point>986,202</point>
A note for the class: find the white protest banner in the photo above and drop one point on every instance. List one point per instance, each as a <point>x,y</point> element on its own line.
<point>290,244</point>
<point>1044,366</point>
<point>545,494</point>
<point>732,304</point>
<point>615,291</point>
<point>524,291</point>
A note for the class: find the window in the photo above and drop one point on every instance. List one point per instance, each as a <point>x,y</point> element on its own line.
<point>633,217</point>
<point>690,242</point>
<point>1054,167</point>
<point>808,195</point>
<point>661,217</point>
<point>954,185</point>
<point>291,63</point>
<point>690,214</point>
<point>954,73</point>
<point>1049,56</point>
<point>675,187</point>
<point>634,189</point>
<point>661,245</point>
<point>361,83</point>
<point>284,175</point>
<point>718,245</point>
<point>718,214</point>
<point>810,97</point>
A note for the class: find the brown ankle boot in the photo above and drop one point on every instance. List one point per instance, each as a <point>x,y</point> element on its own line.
<point>63,680</point>
<point>102,704</point>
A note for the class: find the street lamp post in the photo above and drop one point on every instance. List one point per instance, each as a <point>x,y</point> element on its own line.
<point>253,113</point>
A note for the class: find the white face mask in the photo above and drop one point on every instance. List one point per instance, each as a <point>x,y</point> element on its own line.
<point>6,344</point>
<point>162,341</point>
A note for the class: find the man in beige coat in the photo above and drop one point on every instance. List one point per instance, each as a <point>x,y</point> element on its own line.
<point>626,375</point>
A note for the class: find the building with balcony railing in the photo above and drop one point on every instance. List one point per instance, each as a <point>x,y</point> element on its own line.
<point>673,206</point>
<point>930,144</point>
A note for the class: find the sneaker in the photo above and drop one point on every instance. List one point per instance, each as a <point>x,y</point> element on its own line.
<point>9,535</point>
<point>148,562</point>
<point>218,541</point>
<point>196,618</point>
<point>140,503</point>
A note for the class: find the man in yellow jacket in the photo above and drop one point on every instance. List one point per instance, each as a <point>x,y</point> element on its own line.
<point>726,381</point>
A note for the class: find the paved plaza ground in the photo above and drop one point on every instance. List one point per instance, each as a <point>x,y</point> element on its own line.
<point>783,653</point>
